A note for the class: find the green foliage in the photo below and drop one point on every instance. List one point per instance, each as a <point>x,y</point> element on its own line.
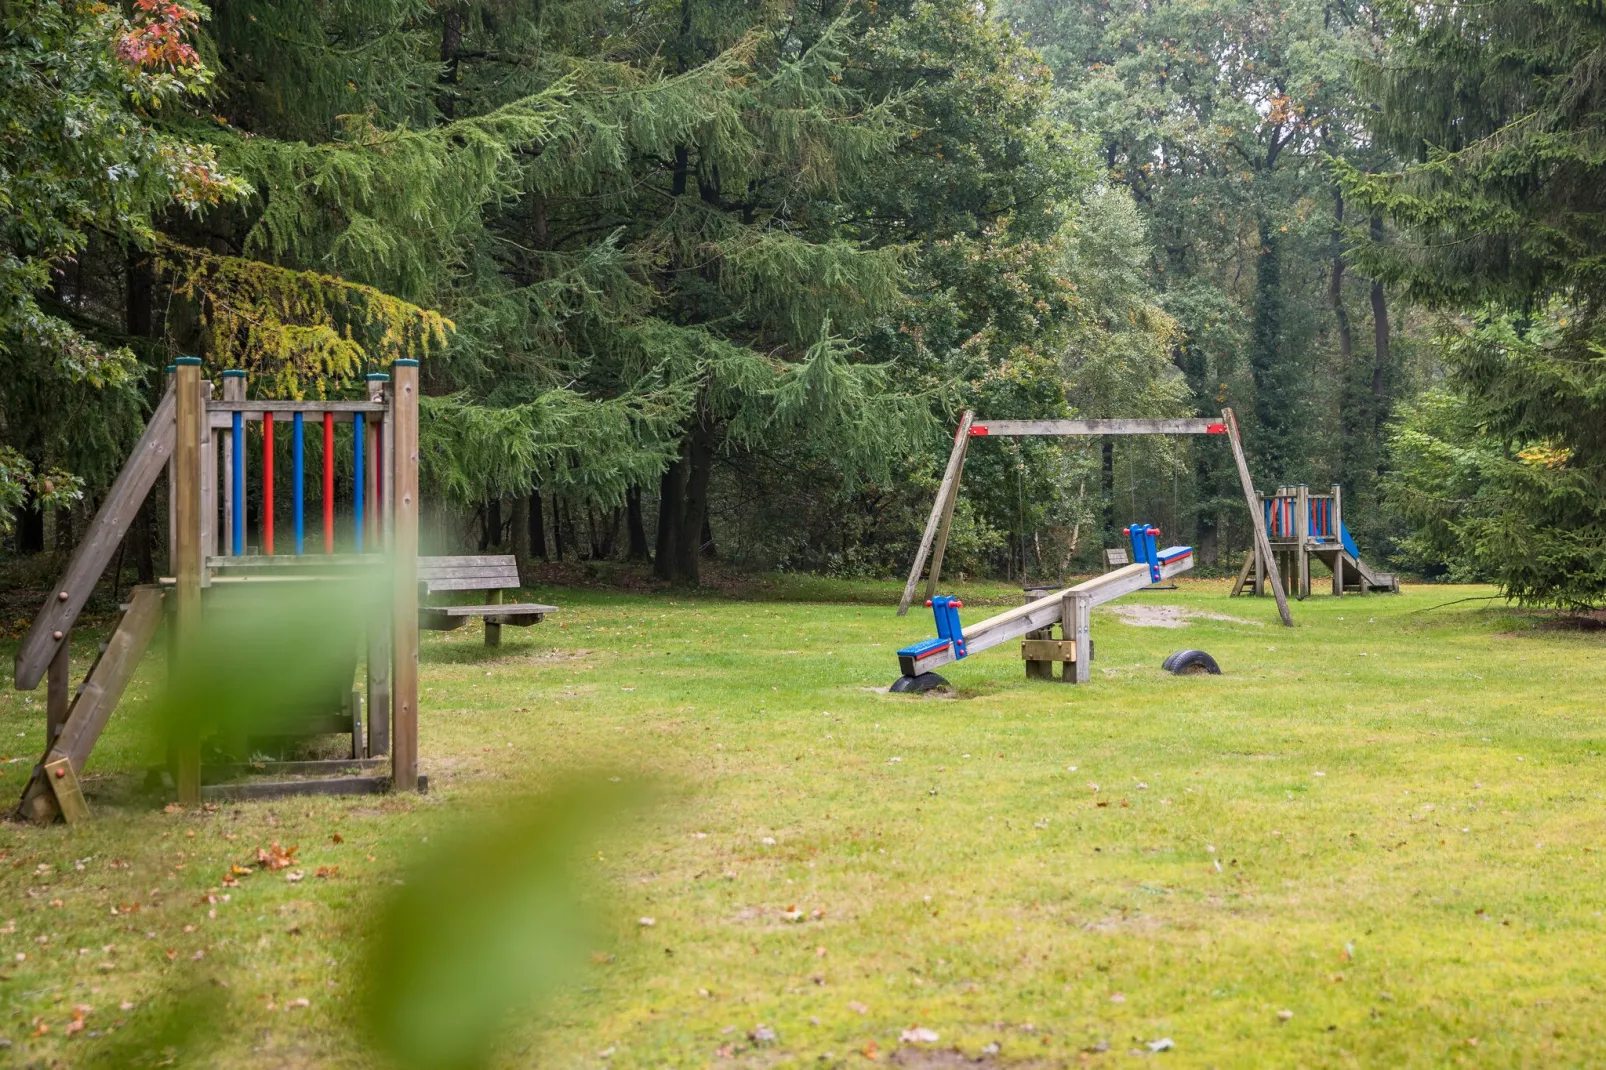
<point>1498,107</point>
<point>297,330</point>
<point>495,920</point>
<point>79,157</point>
<point>1498,473</point>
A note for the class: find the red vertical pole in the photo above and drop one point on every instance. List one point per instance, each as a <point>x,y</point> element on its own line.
<point>328,482</point>
<point>267,483</point>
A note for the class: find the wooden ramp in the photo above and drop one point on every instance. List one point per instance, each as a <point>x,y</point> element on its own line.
<point>53,788</point>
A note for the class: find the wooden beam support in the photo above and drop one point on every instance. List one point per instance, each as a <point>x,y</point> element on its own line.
<point>105,533</point>
<point>1261,542</point>
<point>1014,428</point>
<point>1078,628</point>
<point>404,593</point>
<point>188,558</point>
<point>948,487</point>
<point>68,791</point>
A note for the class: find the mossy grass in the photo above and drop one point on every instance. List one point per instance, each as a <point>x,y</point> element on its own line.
<point>1386,821</point>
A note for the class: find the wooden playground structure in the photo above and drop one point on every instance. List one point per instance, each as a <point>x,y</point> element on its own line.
<point>1033,623</point>
<point>198,438</point>
<point>1301,526</point>
<point>1068,609</point>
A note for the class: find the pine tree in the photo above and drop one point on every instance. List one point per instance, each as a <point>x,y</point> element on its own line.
<point>1499,105</point>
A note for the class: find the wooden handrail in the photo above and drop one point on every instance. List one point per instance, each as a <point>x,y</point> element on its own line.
<point>89,561</point>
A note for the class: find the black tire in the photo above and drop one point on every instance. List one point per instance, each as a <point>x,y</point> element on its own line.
<point>1191,663</point>
<point>915,685</point>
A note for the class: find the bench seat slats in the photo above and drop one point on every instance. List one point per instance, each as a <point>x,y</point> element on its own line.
<point>509,609</point>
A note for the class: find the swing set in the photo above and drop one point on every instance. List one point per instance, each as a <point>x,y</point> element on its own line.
<point>1069,608</point>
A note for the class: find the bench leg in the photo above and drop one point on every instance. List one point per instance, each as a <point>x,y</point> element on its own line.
<point>493,629</point>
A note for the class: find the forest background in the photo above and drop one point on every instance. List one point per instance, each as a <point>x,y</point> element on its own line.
<point>698,280</point>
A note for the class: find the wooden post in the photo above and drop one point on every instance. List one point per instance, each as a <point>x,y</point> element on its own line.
<point>209,485</point>
<point>937,552</point>
<point>191,417</point>
<point>57,692</point>
<point>379,651</point>
<point>404,596</point>
<point>493,627</point>
<point>172,496</point>
<point>950,485</point>
<point>233,390</point>
<point>1302,538</point>
<point>1255,518</point>
<point>1338,539</point>
<point>1076,623</point>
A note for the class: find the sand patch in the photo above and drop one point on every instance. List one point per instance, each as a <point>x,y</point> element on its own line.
<point>1152,616</point>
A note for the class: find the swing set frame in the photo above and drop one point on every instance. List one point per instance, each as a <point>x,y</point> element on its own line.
<point>934,540</point>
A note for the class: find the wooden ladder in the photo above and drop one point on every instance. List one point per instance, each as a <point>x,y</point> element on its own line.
<point>54,787</point>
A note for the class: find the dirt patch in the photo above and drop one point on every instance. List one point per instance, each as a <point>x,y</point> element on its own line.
<point>1152,616</point>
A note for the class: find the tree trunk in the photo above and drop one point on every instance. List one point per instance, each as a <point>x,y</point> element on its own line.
<point>1335,286</point>
<point>635,529</point>
<point>707,540</point>
<point>557,528</point>
<point>64,530</point>
<point>521,537</point>
<point>451,45</point>
<point>1380,345</point>
<point>694,506</point>
<point>537,526</point>
<point>671,507</point>
<point>1274,393</point>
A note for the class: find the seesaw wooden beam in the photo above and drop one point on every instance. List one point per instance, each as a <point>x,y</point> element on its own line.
<point>1050,609</point>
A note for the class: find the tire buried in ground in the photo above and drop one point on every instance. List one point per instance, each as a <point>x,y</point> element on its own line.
<point>1191,663</point>
<point>917,685</point>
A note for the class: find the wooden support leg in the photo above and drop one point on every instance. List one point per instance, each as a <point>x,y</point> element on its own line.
<point>1338,575</point>
<point>1078,618</point>
<point>493,628</point>
<point>57,690</point>
<point>403,422</point>
<point>1304,572</point>
<point>187,476</point>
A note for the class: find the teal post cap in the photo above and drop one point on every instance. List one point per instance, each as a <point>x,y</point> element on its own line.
<point>189,361</point>
<point>377,377</point>
<point>234,373</point>
<point>405,362</point>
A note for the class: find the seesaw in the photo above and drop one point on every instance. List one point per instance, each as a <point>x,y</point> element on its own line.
<point>1033,622</point>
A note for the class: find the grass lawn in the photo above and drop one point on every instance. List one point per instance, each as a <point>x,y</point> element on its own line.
<point>1386,821</point>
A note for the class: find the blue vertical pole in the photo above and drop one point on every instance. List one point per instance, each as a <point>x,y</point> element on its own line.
<point>239,483</point>
<point>300,495</point>
<point>357,476</point>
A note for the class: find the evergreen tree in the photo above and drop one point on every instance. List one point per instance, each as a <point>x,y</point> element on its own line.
<point>1499,107</point>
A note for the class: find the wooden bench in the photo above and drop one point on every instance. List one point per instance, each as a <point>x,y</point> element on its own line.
<point>494,573</point>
